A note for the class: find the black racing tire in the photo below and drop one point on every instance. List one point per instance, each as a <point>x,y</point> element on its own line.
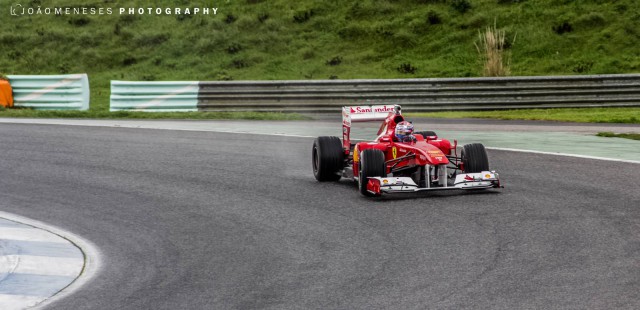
<point>427,133</point>
<point>372,164</point>
<point>327,158</point>
<point>474,158</point>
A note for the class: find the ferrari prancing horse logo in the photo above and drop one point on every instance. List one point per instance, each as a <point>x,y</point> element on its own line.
<point>394,152</point>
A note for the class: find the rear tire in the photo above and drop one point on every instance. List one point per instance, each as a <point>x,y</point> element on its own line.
<point>327,158</point>
<point>371,165</point>
<point>474,158</point>
<point>426,134</point>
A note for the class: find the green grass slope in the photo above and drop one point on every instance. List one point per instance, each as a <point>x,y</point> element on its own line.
<point>278,39</point>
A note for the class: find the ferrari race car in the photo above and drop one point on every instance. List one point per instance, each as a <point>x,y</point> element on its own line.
<point>387,165</point>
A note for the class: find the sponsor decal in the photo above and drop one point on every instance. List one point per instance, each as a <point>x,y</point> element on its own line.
<point>385,181</point>
<point>437,154</point>
<point>356,155</point>
<point>394,152</point>
<point>488,176</point>
<point>468,178</point>
<point>367,109</point>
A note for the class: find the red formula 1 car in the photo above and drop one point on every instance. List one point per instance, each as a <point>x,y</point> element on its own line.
<point>386,165</point>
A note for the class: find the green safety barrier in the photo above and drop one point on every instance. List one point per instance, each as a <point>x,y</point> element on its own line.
<point>51,92</point>
<point>154,96</point>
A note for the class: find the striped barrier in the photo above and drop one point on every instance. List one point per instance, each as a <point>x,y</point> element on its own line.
<point>51,92</point>
<point>414,95</point>
<point>154,96</point>
<point>35,264</point>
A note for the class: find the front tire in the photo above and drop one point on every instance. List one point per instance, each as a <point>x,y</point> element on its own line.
<point>474,158</point>
<point>327,158</point>
<point>372,164</point>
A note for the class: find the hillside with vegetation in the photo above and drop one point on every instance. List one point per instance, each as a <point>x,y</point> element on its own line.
<point>278,39</point>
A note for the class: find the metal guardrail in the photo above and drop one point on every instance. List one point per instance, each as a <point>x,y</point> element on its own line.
<point>51,92</point>
<point>414,95</point>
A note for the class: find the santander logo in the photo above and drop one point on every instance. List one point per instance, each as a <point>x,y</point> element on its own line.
<point>376,109</point>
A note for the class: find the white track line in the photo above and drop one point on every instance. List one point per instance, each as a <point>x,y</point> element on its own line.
<point>156,127</point>
<point>564,154</point>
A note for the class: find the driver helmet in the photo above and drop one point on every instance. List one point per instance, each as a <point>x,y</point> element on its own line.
<point>404,130</point>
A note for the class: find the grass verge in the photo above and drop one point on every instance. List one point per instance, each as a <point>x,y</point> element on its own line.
<point>632,136</point>
<point>28,113</point>
<point>581,115</point>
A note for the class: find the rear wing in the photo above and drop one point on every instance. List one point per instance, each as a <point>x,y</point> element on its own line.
<point>363,114</point>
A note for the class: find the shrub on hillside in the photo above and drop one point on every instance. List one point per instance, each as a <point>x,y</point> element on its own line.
<point>182,17</point>
<point>407,68</point>
<point>129,61</point>
<point>302,16</point>
<point>239,63</point>
<point>621,8</point>
<point>583,66</point>
<point>434,18</point>
<point>334,61</point>
<point>461,6</point>
<point>230,19</point>
<point>262,17</point>
<point>563,28</point>
<point>234,48</point>
<point>79,21</point>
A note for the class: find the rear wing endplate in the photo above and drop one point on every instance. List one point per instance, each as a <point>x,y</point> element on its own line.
<point>363,114</point>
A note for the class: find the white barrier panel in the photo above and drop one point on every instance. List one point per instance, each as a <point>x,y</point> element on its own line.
<point>154,96</point>
<point>51,92</point>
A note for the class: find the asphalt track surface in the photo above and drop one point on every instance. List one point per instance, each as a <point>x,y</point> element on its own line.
<point>204,220</point>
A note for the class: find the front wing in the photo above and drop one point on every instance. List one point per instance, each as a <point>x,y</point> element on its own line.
<point>466,181</point>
